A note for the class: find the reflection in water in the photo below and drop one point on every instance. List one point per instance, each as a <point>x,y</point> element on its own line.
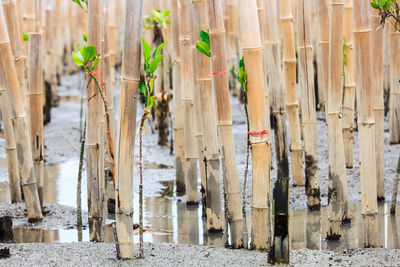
<point>168,219</point>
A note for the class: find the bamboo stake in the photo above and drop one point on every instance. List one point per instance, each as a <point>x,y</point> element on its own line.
<point>394,118</point>
<point>260,147</point>
<point>177,102</point>
<point>93,151</point>
<point>323,19</point>
<point>191,156</point>
<point>349,85</point>
<point>337,201</point>
<point>395,189</point>
<point>36,107</point>
<point>12,87</point>
<point>232,42</point>
<point>215,218</point>
<point>378,102</point>
<point>130,79</point>
<point>366,121</point>
<point>292,106</point>
<point>308,103</point>
<point>224,122</point>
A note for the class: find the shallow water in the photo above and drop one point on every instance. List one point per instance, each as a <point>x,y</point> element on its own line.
<point>168,219</point>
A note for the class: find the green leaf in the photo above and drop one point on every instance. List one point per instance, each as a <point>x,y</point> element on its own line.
<point>204,48</point>
<point>77,57</point>
<point>95,63</point>
<point>146,50</point>
<point>158,50</point>
<point>142,88</point>
<point>84,37</point>
<point>151,85</point>
<point>79,3</point>
<point>167,13</point>
<point>151,102</point>
<point>25,36</point>
<point>88,53</point>
<point>154,64</point>
<point>205,37</point>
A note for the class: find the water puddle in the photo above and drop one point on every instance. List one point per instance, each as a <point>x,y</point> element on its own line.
<point>168,219</point>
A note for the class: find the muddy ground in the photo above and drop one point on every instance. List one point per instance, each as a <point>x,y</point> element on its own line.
<point>62,145</point>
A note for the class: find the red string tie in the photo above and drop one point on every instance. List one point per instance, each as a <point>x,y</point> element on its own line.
<point>218,73</point>
<point>257,133</point>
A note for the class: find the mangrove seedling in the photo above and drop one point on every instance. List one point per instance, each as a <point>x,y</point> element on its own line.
<point>203,46</point>
<point>151,62</point>
<point>388,10</point>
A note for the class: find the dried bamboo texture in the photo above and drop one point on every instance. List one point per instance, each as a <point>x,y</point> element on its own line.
<point>93,119</point>
<point>292,105</point>
<point>177,102</point>
<point>378,102</point>
<point>130,79</point>
<point>215,217</point>
<point>366,121</point>
<point>338,196</point>
<point>224,122</point>
<point>261,150</point>
<point>35,78</point>
<point>394,106</point>
<point>232,43</point>
<point>349,94</point>
<point>323,23</point>
<point>21,131</point>
<point>306,79</point>
<point>395,189</point>
<point>189,119</point>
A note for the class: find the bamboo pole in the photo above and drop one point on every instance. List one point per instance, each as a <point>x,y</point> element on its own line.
<point>395,189</point>
<point>260,147</point>
<point>130,79</point>
<point>191,156</point>
<point>177,102</point>
<point>366,121</point>
<point>394,118</point>
<point>232,43</point>
<point>349,85</point>
<point>378,102</point>
<point>306,78</point>
<point>93,119</point>
<point>215,218</point>
<point>12,87</point>
<point>323,19</point>
<point>36,107</point>
<point>337,201</point>
<point>224,122</point>
<point>292,105</point>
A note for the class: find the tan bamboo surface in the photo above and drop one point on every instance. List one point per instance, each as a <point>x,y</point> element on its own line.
<point>366,121</point>
<point>194,13</point>
<point>130,79</point>
<point>273,47</point>
<point>306,81</point>
<point>386,66</point>
<point>177,101</point>
<point>21,132</point>
<point>112,30</point>
<point>215,216</point>
<point>378,102</point>
<point>260,147</point>
<point>394,106</point>
<point>349,85</point>
<point>38,15</point>
<point>292,104</point>
<point>224,122</point>
<point>189,119</point>
<point>120,19</point>
<point>35,77</point>
<point>338,200</point>
<point>323,23</point>
<point>232,43</point>
<point>13,27</point>
<point>93,118</point>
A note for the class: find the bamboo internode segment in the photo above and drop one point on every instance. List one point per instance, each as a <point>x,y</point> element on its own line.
<point>308,112</point>
<point>394,122</point>
<point>377,95</point>
<point>21,131</point>
<point>366,121</point>
<point>94,129</point>
<point>224,122</point>
<point>292,106</point>
<point>323,19</point>
<point>187,85</point>
<point>349,85</point>
<point>130,78</point>
<point>233,43</point>
<point>177,102</point>
<point>261,150</point>
<point>35,78</point>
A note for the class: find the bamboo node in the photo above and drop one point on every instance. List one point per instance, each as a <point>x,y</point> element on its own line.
<point>256,48</point>
<point>369,124</point>
<point>348,108</point>
<point>283,18</point>
<point>362,31</point>
<point>221,30</point>
<point>309,122</point>
<point>394,93</point>
<point>295,104</point>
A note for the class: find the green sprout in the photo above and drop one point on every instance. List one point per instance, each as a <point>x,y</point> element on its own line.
<point>158,19</point>
<point>83,4</point>
<point>388,10</point>
<point>203,46</point>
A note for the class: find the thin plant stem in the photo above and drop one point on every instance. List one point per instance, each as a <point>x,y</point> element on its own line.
<point>79,183</point>
<point>141,193</point>
<point>246,170</point>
